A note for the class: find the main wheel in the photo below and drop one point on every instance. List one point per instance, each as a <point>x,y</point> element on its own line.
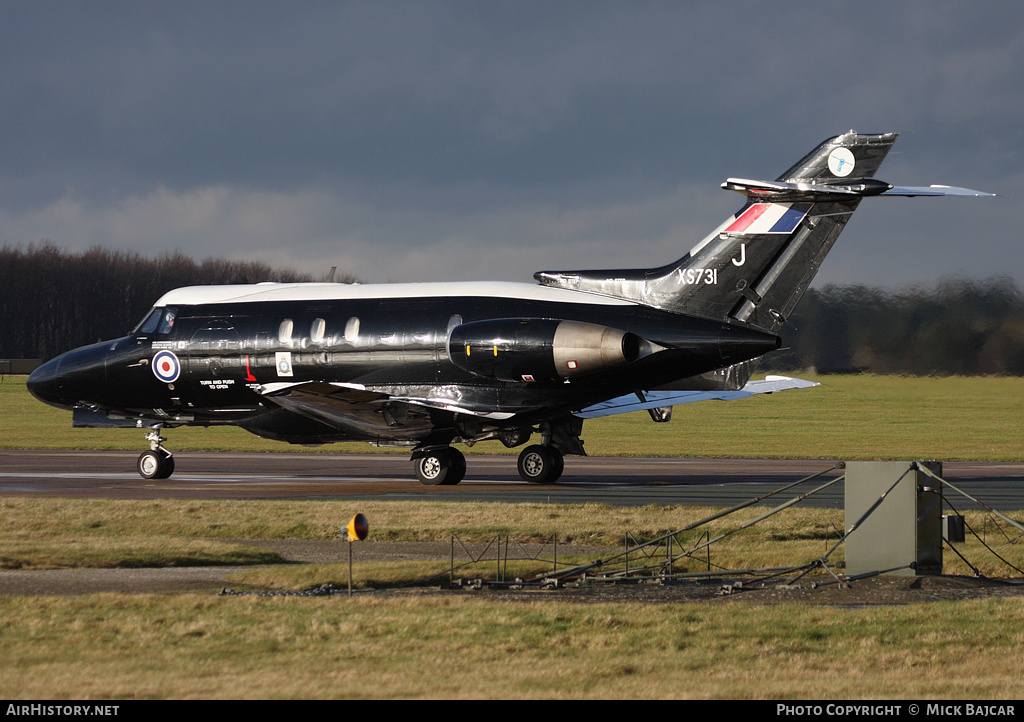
<point>541,464</point>
<point>155,465</point>
<point>457,467</point>
<point>441,466</point>
<point>559,460</point>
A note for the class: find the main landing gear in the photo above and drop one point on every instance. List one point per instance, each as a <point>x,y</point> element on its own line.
<point>447,466</point>
<point>442,466</point>
<point>541,464</point>
<point>157,463</point>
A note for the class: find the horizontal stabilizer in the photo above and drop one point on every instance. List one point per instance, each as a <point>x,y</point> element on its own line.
<point>933,191</point>
<point>760,188</point>
<point>787,190</point>
<point>661,399</point>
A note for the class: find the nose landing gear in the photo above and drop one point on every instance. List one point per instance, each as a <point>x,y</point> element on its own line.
<point>157,463</point>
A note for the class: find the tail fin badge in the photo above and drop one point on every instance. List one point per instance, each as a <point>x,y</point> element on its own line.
<point>841,162</point>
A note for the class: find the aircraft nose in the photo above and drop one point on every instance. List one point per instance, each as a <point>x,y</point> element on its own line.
<point>44,383</point>
<point>69,379</point>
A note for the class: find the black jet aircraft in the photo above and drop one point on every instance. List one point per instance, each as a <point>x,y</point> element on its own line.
<point>426,365</point>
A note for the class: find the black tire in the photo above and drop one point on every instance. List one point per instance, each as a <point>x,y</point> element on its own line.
<point>155,465</point>
<point>457,470</point>
<point>540,464</point>
<point>441,466</point>
<point>559,467</point>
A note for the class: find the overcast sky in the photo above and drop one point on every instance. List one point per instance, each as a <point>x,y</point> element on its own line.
<point>405,141</point>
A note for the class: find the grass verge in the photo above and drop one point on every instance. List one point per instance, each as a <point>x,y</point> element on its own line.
<point>192,647</point>
<point>417,645</point>
<point>63,533</point>
<point>847,417</point>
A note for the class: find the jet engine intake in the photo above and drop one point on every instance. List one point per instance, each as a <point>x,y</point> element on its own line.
<point>540,349</point>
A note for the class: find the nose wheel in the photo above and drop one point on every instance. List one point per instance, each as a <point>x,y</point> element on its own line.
<point>157,463</point>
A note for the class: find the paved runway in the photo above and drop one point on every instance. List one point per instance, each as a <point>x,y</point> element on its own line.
<point>618,481</point>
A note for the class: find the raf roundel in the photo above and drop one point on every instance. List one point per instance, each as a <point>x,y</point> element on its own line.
<point>166,367</point>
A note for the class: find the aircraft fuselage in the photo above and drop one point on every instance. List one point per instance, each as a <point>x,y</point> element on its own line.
<point>220,356</point>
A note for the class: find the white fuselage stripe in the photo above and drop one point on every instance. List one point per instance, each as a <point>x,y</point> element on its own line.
<point>255,293</point>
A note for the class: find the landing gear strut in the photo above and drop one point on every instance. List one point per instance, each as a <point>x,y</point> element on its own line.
<point>157,463</point>
<point>442,466</point>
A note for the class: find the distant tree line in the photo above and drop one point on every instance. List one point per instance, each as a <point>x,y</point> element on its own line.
<point>52,300</point>
<point>957,327</point>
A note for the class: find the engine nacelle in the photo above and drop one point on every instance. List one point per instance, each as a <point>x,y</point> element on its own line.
<point>539,349</point>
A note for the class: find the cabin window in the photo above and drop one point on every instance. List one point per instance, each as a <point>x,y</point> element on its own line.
<point>284,331</point>
<point>317,329</point>
<point>352,330</point>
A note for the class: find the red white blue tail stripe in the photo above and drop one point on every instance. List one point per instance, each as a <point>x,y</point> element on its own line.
<point>759,218</point>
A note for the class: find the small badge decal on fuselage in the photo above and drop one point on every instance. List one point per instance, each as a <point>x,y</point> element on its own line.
<point>166,366</point>
<point>284,363</point>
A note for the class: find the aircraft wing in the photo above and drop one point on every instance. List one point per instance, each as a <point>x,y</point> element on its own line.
<point>357,407</point>
<point>661,399</point>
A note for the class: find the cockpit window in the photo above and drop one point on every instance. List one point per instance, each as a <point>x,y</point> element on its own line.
<point>150,322</point>
<point>159,321</point>
<point>167,320</point>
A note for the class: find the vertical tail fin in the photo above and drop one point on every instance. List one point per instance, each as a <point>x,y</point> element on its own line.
<point>756,266</point>
<point>814,200</point>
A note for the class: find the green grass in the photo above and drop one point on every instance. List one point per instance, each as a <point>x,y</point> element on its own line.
<point>847,417</point>
<point>45,533</point>
<point>473,647</point>
<point>58,533</point>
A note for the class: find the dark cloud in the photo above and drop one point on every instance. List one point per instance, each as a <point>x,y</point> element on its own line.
<point>405,136</point>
